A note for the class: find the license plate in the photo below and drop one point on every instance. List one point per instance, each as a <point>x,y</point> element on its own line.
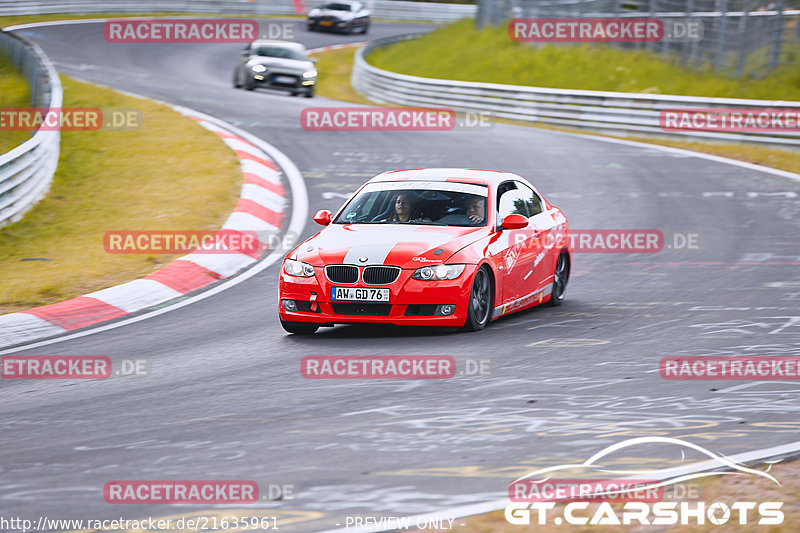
<point>283,79</point>
<point>360,294</point>
<point>325,23</point>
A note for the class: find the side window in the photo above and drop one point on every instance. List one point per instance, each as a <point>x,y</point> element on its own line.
<point>532,200</point>
<point>511,202</point>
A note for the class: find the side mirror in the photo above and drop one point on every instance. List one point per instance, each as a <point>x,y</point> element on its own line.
<point>514,222</point>
<point>314,60</point>
<point>323,217</point>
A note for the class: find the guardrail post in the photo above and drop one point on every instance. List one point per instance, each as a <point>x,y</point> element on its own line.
<point>743,23</point>
<point>775,58</point>
<point>721,37</point>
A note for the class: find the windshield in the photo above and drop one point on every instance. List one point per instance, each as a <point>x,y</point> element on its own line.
<point>336,7</point>
<point>279,51</point>
<point>435,203</point>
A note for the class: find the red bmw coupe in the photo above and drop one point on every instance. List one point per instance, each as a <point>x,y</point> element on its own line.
<point>428,247</point>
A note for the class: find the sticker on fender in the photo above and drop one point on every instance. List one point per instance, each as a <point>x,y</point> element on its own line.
<point>360,294</point>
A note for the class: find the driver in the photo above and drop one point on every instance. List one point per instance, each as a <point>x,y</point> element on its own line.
<point>476,209</point>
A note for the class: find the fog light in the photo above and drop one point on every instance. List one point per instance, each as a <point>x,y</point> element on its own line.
<point>258,77</point>
<point>289,305</point>
<point>445,310</point>
<point>308,82</point>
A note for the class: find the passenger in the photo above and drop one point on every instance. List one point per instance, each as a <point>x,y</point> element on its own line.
<point>405,209</point>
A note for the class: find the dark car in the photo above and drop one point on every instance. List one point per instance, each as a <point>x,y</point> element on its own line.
<point>345,16</point>
<point>280,65</point>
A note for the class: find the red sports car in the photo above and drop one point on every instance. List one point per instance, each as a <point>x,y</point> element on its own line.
<point>428,247</point>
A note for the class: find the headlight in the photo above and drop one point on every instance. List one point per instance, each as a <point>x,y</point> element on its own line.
<point>438,272</point>
<point>309,73</point>
<point>258,68</point>
<point>298,268</point>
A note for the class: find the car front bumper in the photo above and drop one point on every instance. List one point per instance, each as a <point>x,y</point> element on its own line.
<point>329,23</point>
<point>267,80</point>
<point>411,302</point>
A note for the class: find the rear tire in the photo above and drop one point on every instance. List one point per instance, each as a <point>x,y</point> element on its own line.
<point>481,300</point>
<point>299,328</point>
<point>560,279</point>
<point>236,83</point>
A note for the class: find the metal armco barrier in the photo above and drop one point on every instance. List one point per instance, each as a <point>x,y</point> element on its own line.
<point>386,9</point>
<point>27,170</point>
<point>610,112</point>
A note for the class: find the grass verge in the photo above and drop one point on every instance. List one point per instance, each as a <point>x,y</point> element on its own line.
<point>14,92</point>
<point>725,489</point>
<point>335,67</point>
<point>170,174</point>
<point>459,51</point>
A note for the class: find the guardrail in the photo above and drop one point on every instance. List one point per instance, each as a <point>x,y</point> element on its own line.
<point>609,112</point>
<point>386,9</point>
<point>27,170</point>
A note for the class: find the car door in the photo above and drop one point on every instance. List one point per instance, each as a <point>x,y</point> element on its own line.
<point>511,200</point>
<point>539,260</point>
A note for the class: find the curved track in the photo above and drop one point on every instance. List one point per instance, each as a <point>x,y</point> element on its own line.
<point>225,400</point>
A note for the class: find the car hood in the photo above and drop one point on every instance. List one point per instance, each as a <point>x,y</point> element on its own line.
<point>406,246</point>
<point>299,64</point>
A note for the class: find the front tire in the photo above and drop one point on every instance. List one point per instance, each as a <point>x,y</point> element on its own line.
<point>481,300</point>
<point>560,279</point>
<point>299,328</point>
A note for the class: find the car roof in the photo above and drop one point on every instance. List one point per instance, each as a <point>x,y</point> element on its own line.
<point>274,42</point>
<point>463,175</point>
<point>349,2</point>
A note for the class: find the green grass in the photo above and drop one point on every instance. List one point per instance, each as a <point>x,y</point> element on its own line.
<point>334,67</point>
<point>14,92</point>
<point>171,174</point>
<point>459,51</point>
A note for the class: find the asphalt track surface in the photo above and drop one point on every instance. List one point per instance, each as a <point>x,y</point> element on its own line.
<point>224,398</point>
